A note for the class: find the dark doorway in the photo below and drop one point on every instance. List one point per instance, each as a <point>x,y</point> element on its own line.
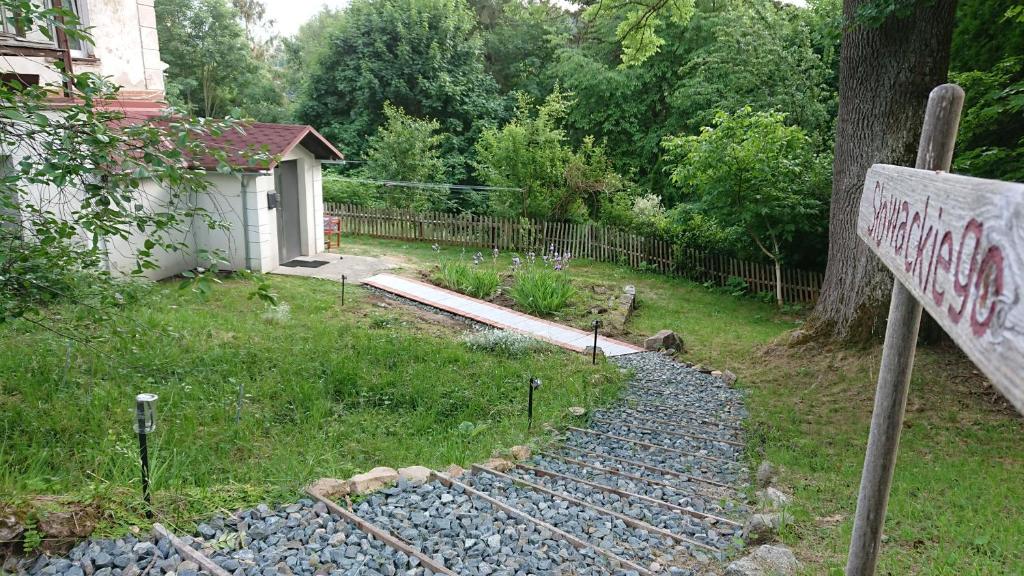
<point>286,181</point>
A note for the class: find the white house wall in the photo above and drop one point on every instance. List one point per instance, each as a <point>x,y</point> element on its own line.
<point>125,48</point>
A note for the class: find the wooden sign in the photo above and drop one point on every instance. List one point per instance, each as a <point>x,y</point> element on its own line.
<point>957,244</point>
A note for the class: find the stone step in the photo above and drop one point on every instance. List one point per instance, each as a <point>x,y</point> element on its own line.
<point>593,526</point>
<point>303,539</point>
<point>643,509</point>
<point>681,463</point>
<point>672,495</point>
<point>673,439</point>
<point>469,536</point>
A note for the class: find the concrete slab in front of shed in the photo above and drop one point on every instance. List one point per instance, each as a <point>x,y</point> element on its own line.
<point>497,316</point>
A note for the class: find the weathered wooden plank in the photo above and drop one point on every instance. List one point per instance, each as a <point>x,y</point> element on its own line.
<point>189,552</point>
<point>957,245</point>
<point>382,535</point>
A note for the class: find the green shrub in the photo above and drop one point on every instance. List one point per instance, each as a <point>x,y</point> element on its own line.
<point>541,290</point>
<point>509,344</point>
<point>476,280</point>
<point>340,191</point>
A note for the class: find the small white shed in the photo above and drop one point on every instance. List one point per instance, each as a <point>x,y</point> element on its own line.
<point>274,211</point>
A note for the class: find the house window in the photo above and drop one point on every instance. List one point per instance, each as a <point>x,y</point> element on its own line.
<point>10,26</point>
<point>79,48</point>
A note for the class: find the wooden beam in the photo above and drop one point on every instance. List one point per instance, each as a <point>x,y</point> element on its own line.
<point>189,552</point>
<point>935,152</point>
<point>627,520</point>
<point>627,493</point>
<point>645,466</point>
<point>512,511</point>
<point>380,534</point>
<point>674,433</point>
<point>654,446</point>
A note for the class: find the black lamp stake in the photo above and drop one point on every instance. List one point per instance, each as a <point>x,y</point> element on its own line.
<point>597,324</point>
<point>144,424</point>
<point>342,289</point>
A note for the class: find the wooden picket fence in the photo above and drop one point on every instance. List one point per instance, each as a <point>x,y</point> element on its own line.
<point>582,240</point>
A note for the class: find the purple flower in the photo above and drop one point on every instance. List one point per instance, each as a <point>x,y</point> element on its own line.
<point>516,262</point>
<point>494,253</point>
<point>436,248</point>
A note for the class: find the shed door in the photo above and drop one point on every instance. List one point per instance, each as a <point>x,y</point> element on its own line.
<point>287,183</point>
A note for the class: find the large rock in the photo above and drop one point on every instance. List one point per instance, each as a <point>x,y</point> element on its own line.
<point>766,474</point>
<point>375,479</point>
<point>414,475</point>
<point>589,351</point>
<point>577,411</point>
<point>774,498</point>
<point>663,340</point>
<point>765,561</point>
<point>498,465</point>
<point>520,452</point>
<point>330,488</point>
<point>454,471</point>
<point>761,528</point>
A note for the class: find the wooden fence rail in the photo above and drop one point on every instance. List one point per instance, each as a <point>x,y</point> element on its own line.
<point>582,240</point>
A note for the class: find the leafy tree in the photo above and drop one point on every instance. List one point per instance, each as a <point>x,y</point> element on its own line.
<point>991,139</point>
<point>300,54</point>
<point>528,153</point>
<point>408,149</point>
<point>423,56</point>
<point>639,23</point>
<point>751,171</point>
<point>762,56</point>
<point>78,177</point>
<point>211,68</point>
<point>521,41</point>
<point>988,57</point>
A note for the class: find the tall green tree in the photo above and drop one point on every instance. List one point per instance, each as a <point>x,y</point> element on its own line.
<point>212,70</point>
<point>752,171</point>
<point>424,56</point>
<point>521,41</point>
<point>762,56</point>
<point>408,149</point>
<point>529,153</point>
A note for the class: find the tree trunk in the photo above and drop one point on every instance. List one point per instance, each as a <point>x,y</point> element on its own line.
<point>778,282</point>
<point>885,75</point>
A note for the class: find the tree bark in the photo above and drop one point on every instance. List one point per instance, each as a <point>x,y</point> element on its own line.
<point>885,75</point>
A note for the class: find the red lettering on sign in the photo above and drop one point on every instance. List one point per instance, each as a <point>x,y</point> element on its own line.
<point>924,248</point>
<point>963,289</point>
<point>942,265</point>
<point>989,287</point>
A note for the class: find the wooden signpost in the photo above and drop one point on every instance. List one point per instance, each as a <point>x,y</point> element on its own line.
<point>956,247</point>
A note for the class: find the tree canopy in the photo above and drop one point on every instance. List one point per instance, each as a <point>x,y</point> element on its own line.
<point>424,56</point>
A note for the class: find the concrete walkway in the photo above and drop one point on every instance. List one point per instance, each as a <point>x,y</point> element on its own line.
<point>497,316</point>
<point>354,268</point>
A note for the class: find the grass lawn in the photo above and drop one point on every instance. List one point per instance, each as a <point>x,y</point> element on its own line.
<point>328,391</point>
<point>957,504</point>
<point>333,391</point>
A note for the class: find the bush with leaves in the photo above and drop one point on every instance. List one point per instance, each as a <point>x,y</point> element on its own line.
<point>408,149</point>
<point>476,279</point>
<point>752,171</point>
<point>542,287</point>
<point>510,344</point>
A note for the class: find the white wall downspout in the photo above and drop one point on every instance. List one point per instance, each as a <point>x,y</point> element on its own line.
<point>245,220</point>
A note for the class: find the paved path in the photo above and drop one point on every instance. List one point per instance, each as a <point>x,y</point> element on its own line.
<point>498,316</point>
<point>354,268</point>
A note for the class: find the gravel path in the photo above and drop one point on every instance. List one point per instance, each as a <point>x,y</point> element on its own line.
<point>667,457</point>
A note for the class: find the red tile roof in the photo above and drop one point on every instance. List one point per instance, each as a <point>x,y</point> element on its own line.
<point>238,143</point>
<point>275,140</point>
